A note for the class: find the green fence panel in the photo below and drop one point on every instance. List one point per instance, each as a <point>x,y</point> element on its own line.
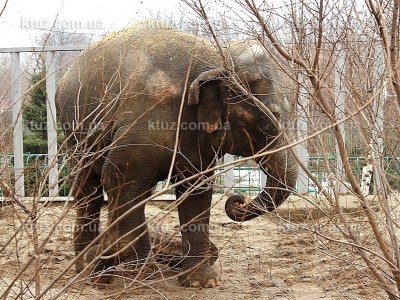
<point>318,166</point>
<point>247,178</point>
<point>35,171</point>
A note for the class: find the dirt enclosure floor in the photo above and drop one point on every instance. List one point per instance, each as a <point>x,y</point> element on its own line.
<point>276,256</point>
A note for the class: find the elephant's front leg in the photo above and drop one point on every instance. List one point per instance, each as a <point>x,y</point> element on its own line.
<point>194,216</point>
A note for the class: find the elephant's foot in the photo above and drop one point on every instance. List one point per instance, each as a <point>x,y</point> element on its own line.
<point>101,273</point>
<point>201,277</point>
<point>168,250</point>
<point>82,262</point>
<point>103,267</point>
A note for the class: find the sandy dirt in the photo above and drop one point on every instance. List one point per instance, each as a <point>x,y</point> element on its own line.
<point>276,256</point>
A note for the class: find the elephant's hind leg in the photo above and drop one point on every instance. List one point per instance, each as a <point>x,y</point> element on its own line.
<point>127,239</point>
<point>89,199</point>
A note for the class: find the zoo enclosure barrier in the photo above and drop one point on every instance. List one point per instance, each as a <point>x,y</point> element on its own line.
<point>246,179</point>
<point>16,103</point>
<point>35,171</point>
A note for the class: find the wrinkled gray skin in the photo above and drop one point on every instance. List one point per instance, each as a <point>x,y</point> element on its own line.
<point>123,95</point>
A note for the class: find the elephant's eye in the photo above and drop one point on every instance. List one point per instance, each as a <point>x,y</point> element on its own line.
<point>263,122</point>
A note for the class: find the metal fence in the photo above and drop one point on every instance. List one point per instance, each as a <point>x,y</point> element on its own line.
<point>247,179</point>
<point>35,171</point>
<point>323,168</point>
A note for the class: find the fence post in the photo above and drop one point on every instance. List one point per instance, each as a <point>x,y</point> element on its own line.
<point>51,123</point>
<point>302,132</point>
<point>376,142</point>
<point>263,179</point>
<point>16,100</point>
<point>340,92</point>
<point>229,181</point>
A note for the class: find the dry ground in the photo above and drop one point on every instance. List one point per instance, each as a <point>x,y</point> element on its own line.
<point>277,256</point>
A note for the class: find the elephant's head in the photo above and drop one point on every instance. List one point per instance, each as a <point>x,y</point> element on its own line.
<point>252,129</point>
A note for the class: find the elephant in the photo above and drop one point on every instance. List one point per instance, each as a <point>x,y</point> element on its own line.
<point>149,103</point>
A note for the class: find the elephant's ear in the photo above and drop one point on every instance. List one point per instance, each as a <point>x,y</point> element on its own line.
<point>207,92</point>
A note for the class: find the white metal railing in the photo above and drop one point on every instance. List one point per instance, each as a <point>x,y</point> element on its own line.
<point>16,102</point>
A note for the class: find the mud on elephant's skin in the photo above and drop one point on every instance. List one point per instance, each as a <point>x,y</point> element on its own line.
<point>138,76</point>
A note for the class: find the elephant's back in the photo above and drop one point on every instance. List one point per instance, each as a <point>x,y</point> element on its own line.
<point>126,72</point>
<point>141,51</point>
<point>139,57</point>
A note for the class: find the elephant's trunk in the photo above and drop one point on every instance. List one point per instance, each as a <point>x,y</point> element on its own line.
<point>281,170</point>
